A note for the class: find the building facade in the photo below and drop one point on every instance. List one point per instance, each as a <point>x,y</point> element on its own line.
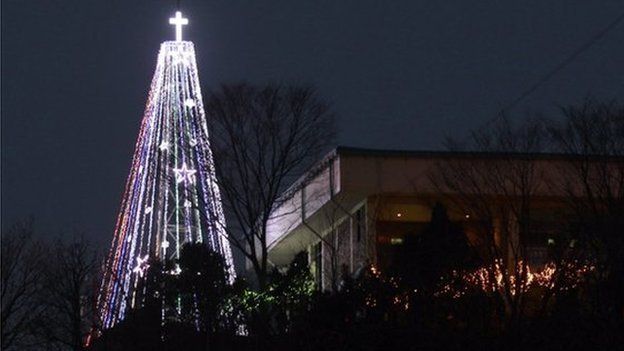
<point>357,206</point>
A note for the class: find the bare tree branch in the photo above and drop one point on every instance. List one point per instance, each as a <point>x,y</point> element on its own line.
<point>22,274</point>
<point>263,138</point>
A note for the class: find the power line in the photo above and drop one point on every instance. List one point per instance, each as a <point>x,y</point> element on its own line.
<point>546,77</point>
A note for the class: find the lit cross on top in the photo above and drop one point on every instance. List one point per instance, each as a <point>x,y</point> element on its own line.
<point>178,21</point>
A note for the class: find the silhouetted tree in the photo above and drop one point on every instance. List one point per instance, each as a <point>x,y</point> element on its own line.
<point>203,286</point>
<point>441,247</point>
<point>22,267</point>
<point>292,292</point>
<point>185,305</point>
<point>69,291</point>
<point>497,186</point>
<point>592,135</point>
<point>263,138</point>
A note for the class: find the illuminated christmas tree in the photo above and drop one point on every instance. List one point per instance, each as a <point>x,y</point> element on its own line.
<point>171,195</point>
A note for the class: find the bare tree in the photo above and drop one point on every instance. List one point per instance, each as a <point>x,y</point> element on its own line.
<point>495,181</point>
<point>22,276</point>
<point>592,135</point>
<point>263,138</point>
<point>70,286</point>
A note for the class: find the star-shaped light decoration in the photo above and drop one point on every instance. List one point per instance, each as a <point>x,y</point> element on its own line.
<point>184,174</point>
<point>188,204</point>
<point>141,266</point>
<point>164,146</point>
<point>193,142</point>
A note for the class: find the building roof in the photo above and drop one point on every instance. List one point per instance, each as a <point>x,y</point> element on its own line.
<point>342,150</point>
<point>356,151</point>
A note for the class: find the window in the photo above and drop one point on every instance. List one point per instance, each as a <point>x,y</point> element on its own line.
<point>396,241</point>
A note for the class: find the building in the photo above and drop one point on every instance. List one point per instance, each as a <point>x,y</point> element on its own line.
<point>356,206</point>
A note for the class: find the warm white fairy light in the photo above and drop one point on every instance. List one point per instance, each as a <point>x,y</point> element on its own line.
<point>492,278</point>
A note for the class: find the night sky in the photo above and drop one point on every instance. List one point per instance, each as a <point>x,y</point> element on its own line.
<point>401,74</point>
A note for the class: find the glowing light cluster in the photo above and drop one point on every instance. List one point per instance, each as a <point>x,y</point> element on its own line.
<point>171,195</point>
<point>398,298</point>
<point>567,275</point>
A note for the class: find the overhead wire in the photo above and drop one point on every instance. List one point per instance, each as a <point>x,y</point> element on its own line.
<point>551,73</point>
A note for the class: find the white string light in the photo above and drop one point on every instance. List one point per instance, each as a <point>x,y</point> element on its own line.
<point>171,196</point>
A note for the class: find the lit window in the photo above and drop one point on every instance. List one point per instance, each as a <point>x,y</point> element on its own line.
<point>396,241</point>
